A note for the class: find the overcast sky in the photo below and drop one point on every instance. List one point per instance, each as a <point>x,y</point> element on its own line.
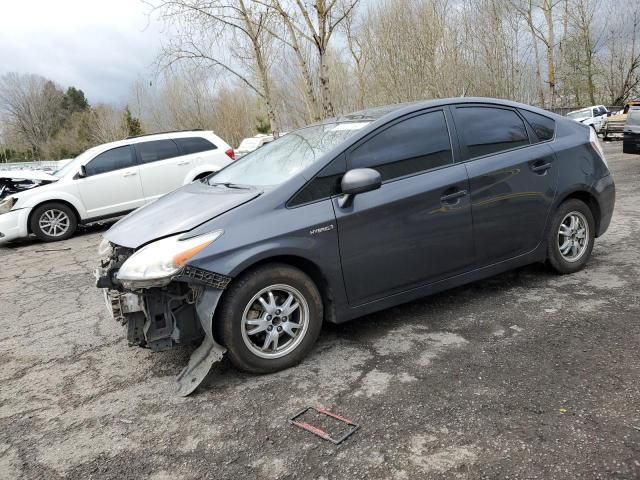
<point>99,46</point>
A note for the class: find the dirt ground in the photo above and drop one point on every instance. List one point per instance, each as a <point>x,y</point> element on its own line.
<point>524,375</point>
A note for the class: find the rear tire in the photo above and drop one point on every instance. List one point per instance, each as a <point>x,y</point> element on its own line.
<point>53,221</point>
<point>260,331</point>
<point>571,236</point>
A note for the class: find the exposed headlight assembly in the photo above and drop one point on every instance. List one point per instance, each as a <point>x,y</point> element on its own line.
<point>7,204</point>
<point>105,248</point>
<point>155,264</point>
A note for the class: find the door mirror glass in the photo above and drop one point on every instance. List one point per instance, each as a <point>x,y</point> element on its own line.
<point>360,180</point>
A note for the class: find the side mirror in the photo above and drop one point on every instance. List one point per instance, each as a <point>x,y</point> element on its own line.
<point>82,172</point>
<point>358,180</point>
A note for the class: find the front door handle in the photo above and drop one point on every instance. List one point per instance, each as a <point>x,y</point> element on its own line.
<point>129,174</point>
<point>184,162</point>
<point>540,168</point>
<point>453,197</point>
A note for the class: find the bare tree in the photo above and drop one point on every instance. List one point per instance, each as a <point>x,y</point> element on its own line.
<point>623,56</point>
<point>204,25</point>
<point>589,40</point>
<point>32,106</point>
<point>315,22</point>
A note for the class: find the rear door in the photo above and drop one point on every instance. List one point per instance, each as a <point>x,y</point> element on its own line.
<point>161,167</point>
<point>112,185</point>
<point>416,228</point>
<point>512,178</point>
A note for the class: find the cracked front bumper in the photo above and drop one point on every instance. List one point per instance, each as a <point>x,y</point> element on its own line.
<point>161,318</point>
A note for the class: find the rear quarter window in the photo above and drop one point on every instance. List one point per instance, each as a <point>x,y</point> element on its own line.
<point>544,127</point>
<point>191,145</point>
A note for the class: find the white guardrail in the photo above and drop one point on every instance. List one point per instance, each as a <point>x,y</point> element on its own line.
<point>48,165</point>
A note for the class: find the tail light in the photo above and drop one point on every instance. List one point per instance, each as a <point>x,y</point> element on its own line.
<point>595,143</point>
<point>231,154</point>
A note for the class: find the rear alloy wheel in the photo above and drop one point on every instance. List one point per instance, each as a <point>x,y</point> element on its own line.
<point>53,221</point>
<point>269,318</point>
<point>571,236</point>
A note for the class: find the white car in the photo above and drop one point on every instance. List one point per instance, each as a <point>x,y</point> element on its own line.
<point>591,116</point>
<point>106,181</point>
<point>250,144</point>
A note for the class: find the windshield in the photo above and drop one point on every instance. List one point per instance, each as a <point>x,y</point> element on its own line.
<point>73,164</point>
<point>281,159</point>
<point>634,117</point>
<point>580,113</point>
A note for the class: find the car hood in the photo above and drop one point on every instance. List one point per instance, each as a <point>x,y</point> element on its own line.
<point>27,175</point>
<point>177,212</point>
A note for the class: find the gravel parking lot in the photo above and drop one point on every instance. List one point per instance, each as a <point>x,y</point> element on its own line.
<point>525,375</point>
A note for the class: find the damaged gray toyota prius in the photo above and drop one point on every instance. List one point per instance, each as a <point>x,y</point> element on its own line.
<point>350,216</point>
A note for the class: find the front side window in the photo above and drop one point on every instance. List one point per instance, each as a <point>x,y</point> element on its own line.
<point>410,146</point>
<point>487,130</point>
<point>281,159</point>
<point>114,159</point>
<point>543,126</point>
<point>157,150</point>
<point>194,145</point>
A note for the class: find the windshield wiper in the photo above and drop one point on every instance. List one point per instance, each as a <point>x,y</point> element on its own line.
<point>231,185</point>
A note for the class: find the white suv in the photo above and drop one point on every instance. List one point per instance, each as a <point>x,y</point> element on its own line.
<point>106,181</point>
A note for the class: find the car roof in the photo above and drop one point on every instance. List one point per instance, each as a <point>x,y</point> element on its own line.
<point>162,136</point>
<point>388,112</point>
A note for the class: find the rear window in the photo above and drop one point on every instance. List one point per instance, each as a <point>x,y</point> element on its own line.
<point>634,117</point>
<point>194,145</point>
<point>543,126</point>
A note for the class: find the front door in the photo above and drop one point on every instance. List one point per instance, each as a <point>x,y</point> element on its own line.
<point>415,229</point>
<point>112,185</point>
<point>512,177</point>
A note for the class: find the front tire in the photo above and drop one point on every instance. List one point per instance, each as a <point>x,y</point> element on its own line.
<point>571,236</point>
<point>269,318</point>
<point>53,221</point>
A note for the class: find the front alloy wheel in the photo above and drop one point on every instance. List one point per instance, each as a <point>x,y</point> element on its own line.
<point>269,318</point>
<point>53,221</point>
<point>275,321</point>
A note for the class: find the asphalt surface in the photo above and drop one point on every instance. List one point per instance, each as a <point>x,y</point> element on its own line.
<point>524,375</point>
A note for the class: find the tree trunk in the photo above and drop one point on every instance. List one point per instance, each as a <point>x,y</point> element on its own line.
<point>327,104</point>
<point>550,43</point>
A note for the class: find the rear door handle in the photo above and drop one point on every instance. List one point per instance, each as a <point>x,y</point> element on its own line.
<point>540,168</point>
<point>453,197</point>
<point>129,174</point>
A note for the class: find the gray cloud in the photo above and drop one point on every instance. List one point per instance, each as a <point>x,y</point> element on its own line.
<point>101,49</point>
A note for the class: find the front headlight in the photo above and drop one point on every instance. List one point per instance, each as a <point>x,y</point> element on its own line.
<point>7,204</point>
<point>156,263</point>
<point>105,248</point>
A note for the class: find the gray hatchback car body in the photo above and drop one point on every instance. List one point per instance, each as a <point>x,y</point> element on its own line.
<point>478,209</point>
